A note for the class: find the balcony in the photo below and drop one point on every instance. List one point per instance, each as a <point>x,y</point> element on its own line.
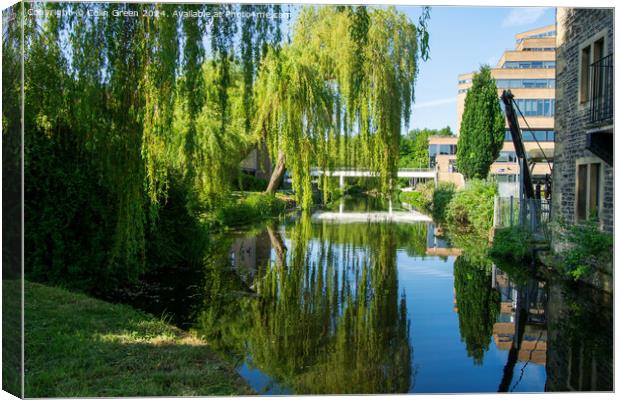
<point>601,90</point>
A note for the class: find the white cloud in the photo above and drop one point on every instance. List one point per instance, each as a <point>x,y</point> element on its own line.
<point>433,103</point>
<point>523,16</point>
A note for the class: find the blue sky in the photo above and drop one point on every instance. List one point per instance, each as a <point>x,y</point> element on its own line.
<point>461,39</point>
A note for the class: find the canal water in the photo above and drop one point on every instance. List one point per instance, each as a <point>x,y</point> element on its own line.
<point>303,307</point>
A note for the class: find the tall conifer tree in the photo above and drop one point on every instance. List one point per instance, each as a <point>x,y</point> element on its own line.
<point>482,128</point>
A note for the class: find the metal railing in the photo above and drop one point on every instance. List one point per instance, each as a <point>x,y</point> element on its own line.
<point>532,214</point>
<point>601,89</point>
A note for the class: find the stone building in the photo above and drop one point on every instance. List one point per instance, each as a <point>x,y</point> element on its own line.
<point>583,167</point>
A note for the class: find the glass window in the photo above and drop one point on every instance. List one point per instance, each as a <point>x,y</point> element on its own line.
<point>540,136</point>
<point>507,156</point>
<point>530,136</point>
<point>528,64</point>
<point>536,107</point>
<point>447,149</point>
<point>588,190</point>
<point>505,178</point>
<point>582,177</point>
<point>594,189</point>
<point>432,150</point>
<point>525,83</point>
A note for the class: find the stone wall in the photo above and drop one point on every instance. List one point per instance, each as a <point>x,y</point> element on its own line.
<point>575,27</point>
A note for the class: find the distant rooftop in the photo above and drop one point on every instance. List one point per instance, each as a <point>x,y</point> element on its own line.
<point>537,33</point>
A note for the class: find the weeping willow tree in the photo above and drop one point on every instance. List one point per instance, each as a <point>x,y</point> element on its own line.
<point>294,113</point>
<point>369,62</point>
<point>211,142</point>
<point>102,97</point>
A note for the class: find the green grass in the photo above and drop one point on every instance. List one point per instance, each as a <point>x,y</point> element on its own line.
<point>77,346</point>
<point>11,338</point>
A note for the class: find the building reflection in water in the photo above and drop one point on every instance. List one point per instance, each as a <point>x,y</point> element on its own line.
<point>248,254</point>
<point>530,298</point>
<point>580,354</point>
<point>437,245</point>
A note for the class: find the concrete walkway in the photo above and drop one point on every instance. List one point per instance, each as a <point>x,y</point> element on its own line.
<point>377,216</point>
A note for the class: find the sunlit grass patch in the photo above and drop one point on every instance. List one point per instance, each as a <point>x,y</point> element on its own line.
<point>77,346</point>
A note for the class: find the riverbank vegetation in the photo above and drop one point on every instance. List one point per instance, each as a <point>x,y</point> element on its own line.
<point>464,215</point>
<point>77,346</point>
<point>469,209</point>
<point>586,249</point>
<point>512,244</point>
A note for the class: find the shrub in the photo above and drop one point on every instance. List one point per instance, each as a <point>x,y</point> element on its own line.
<point>441,198</point>
<point>589,248</point>
<point>471,209</point>
<point>511,244</point>
<point>251,183</point>
<point>252,208</point>
<point>421,198</point>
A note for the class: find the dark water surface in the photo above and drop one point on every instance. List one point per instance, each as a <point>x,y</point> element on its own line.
<point>321,307</point>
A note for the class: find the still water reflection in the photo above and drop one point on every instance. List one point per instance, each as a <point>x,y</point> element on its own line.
<point>322,307</point>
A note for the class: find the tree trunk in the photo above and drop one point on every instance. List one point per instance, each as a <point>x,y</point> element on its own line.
<point>278,245</point>
<point>277,175</point>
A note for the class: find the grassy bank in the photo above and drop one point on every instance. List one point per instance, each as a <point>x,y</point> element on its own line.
<point>77,346</point>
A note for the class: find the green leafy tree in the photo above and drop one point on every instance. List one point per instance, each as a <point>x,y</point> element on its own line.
<point>414,147</point>
<point>369,62</point>
<point>482,127</point>
<point>102,99</point>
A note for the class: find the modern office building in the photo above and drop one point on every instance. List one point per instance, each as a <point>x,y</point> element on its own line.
<point>529,72</point>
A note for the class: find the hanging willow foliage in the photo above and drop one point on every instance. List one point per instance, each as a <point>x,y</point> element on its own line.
<point>158,87</point>
<point>219,137</point>
<point>369,62</point>
<point>116,87</point>
<point>294,113</point>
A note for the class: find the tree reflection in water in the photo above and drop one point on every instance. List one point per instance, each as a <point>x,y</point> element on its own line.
<point>325,315</point>
<point>478,305</point>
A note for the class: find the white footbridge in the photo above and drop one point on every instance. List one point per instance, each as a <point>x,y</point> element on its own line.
<point>414,174</point>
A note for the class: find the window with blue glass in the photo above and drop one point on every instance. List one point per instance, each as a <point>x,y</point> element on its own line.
<point>529,135</point>
<point>507,156</point>
<point>525,83</point>
<point>447,149</point>
<point>537,36</point>
<point>538,48</point>
<point>432,153</point>
<point>506,178</point>
<point>536,107</point>
<point>528,64</point>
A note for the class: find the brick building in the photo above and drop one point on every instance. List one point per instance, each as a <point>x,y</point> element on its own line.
<point>583,167</point>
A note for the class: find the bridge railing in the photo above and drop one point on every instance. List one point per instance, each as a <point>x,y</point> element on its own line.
<point>351,169</point>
